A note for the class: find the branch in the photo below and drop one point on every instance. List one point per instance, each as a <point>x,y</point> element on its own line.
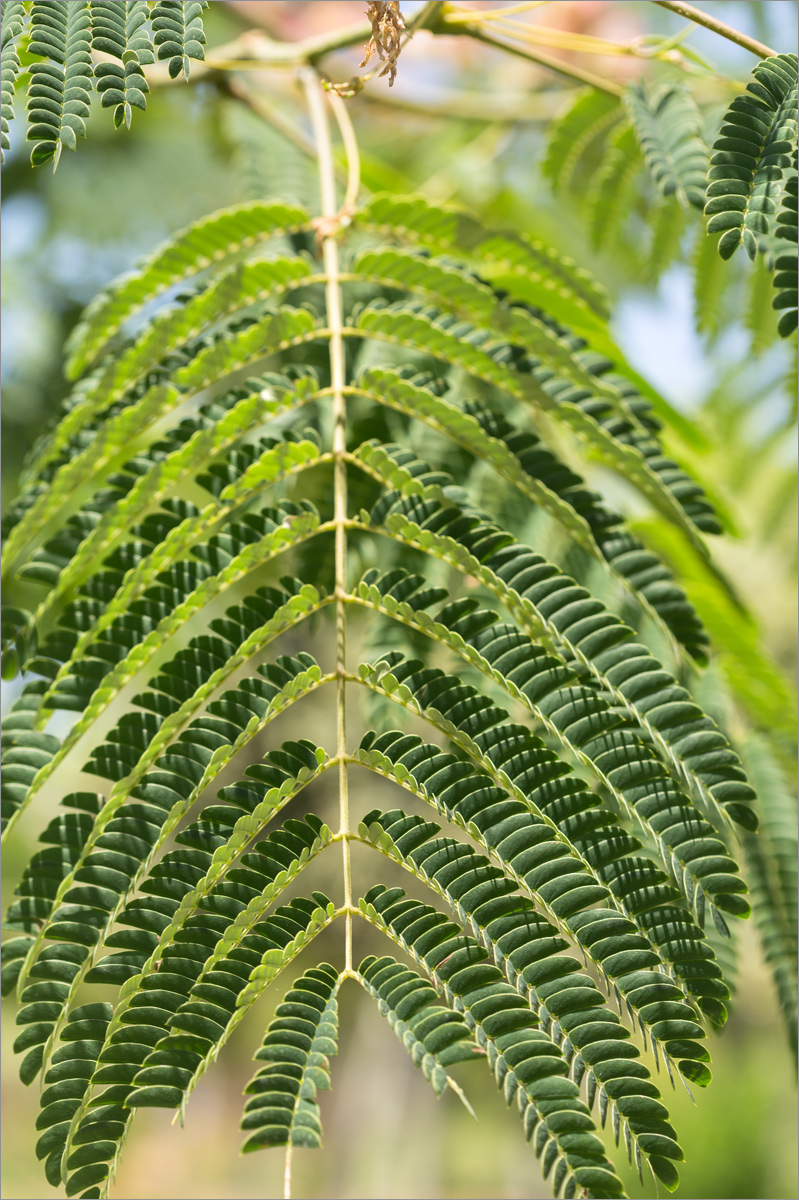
<point>254,50</point>
<point>732,35</point>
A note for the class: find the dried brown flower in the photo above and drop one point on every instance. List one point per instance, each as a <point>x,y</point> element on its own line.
<point>387,28</point>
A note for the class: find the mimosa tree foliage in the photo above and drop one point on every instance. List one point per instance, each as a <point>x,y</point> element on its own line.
<point>241,453</point>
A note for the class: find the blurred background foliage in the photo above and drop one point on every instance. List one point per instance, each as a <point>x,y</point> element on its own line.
<point>467,123</point>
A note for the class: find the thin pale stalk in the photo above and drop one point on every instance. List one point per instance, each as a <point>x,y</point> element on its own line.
<point>350,151</point>
<point>536,56</point>
<point>561,39</point>
<point>461,16</point>
<point>287,1172</point>
<point>328,230</point>
<point>726,31</point>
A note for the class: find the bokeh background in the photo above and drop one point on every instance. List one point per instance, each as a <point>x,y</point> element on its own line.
<point>63,237</point>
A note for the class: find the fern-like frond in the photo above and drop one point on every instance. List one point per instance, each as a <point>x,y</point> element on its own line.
<point>523,1058</point>
<point>269,613</point>
<point>121,30</point>
<point>543,479</point>
<point>785,265</point>
<point>176,1035</point>
<point>586,121</point>
<point>556,283</point>
<point>668,228</point>
<point>159,515</point>
<point>528,951</point>
<point>772,868</point>
<point>93,890</point>
<point>193,446</point>
<point>611,187</point>
<point>691,851</point>
<point>750,155</point>
<point>60,89</point>
<point>597,838</point>
<point>214,969</point>
<point>534,592</point>
<point>543,865</point>
<point>451,288</point>
<point>12,21</point>
<point>282,1108</point>
<point>100,433</point>
<point>590,731</point>
<point>178,33</point>
<point>638,459</point>
<point>65,32</point>
<point>196,248</point>
<point>190,551</point>
<point>668,126</point>
<point>436,1037</point>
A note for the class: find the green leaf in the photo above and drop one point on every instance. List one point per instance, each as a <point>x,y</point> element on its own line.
<point>60,89</point>
<point>178,34</point>
<point>192,250</point>
<point>750,155</point>
<point>668,126</point>
<point>282,1109</point>
<point>785,263</point>
<point>575,133</point>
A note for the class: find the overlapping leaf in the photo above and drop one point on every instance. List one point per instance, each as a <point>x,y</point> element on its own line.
<point>668,125</point>
<point>785,264</point>
<point>750,156</point>
<point>122,30</point>
<point>12,20</point>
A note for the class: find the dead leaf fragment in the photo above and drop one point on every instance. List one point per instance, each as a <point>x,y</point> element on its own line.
<point>387,28</point>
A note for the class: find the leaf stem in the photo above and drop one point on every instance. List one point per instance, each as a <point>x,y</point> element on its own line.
<point>463,16</point>
<point>328,229</point>
<point>726,31</point>
<point>287,1172</point>
<point>350,151</point>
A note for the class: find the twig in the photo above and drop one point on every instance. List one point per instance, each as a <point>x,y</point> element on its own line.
<point>727,31</point>
<point>471,106</point>
<point>536,56</point>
